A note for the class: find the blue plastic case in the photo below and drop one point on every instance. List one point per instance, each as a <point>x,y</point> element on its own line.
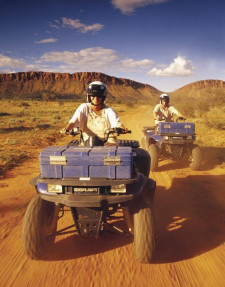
<point>176,128</point>
<point>95,162</point>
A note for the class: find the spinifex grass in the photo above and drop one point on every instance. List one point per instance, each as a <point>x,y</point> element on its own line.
<point>28,126</point>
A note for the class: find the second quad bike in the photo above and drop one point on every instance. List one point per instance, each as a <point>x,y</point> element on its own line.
<point>174,139</point>
<point>95,182</point>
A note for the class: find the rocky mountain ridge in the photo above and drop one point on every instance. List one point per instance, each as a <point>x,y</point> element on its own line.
<point>37,85</point>
<point>206,84</point>
<point>47,85</point>
<point>80,76</point>
<point>208,90</point>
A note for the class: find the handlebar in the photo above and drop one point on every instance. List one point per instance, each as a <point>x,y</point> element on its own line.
<point>108,132</point>
<point>72,132</point>
<point>180,119</point>
<point>118,131</point>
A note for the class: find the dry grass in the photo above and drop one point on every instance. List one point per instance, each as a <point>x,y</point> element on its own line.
<point>25,127</point>
<point>28,126</point>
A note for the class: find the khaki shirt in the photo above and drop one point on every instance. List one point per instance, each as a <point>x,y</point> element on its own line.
<point>165,114</point>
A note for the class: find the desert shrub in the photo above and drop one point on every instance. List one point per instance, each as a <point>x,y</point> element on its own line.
<point>15,129</point>
<point>35,120</point>
<point>215,118</point>
<point>47,96</point>
<point>43,126</point>
<point>216,123</point>
<point>191,107</point>
<point>56,117</point>
<point>24,104</point>
<point>8,161</point>
<point>201,108</point>
<point>119,102</point>
<point>4,114</point>
<point>130,104</point>
<point>10,141</point>
<point>185,109</point>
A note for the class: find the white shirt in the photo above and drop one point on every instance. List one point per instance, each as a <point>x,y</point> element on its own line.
<point>91,123</point>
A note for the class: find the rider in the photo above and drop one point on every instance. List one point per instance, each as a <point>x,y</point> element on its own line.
<point>94,117</point>
<point>164,112</point>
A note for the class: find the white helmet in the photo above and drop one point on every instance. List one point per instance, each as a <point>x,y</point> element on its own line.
<point>165,97</point>
<point>97,89</point>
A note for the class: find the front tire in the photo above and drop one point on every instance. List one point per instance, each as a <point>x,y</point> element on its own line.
<point>196,158</point>
<point>154,154</point>
<point>39,227</point>
<point>144,235</point>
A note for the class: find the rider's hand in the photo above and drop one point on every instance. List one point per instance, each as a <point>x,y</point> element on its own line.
<point>123,130</point>
<point>159,119</point>
<point>64,131</point>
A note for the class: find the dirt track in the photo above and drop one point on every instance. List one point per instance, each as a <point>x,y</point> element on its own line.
<point>189,215</point>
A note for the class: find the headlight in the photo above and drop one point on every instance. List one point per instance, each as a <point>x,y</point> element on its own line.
<point>42,187</point>
<point>55,188</point>
<point>120,188</point>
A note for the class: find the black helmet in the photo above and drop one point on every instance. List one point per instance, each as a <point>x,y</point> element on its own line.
<point>164,97</point>
<point>98,89</point>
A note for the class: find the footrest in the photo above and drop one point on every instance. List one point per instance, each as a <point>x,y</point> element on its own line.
<point>88,221</point>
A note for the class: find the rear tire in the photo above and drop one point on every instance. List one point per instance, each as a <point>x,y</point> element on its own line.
<point>144,235</point>
<point>39,227</point>
<point>196,158</point>
<point>154,154</point>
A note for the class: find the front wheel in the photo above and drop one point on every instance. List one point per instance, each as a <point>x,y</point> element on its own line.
<point>154,154</point>
<point>39,227</point>
<point>144,235</point>
<point>196,158</point>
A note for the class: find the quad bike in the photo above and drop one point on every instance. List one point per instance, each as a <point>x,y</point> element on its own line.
<point>174,139</point>
<point>95,182</point>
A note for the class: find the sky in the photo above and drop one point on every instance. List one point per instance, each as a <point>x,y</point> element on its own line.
<point>164,43</point>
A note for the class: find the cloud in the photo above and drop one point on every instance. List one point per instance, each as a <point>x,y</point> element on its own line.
<point>83,28</point>
<point>11,65</point>
<point>128,6</point>
<point>179,68</point>
<point>131,64</point>
<point>56,24</point>
<point>45,41</point>
<point>96,58</point>
<point>7,62</point>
